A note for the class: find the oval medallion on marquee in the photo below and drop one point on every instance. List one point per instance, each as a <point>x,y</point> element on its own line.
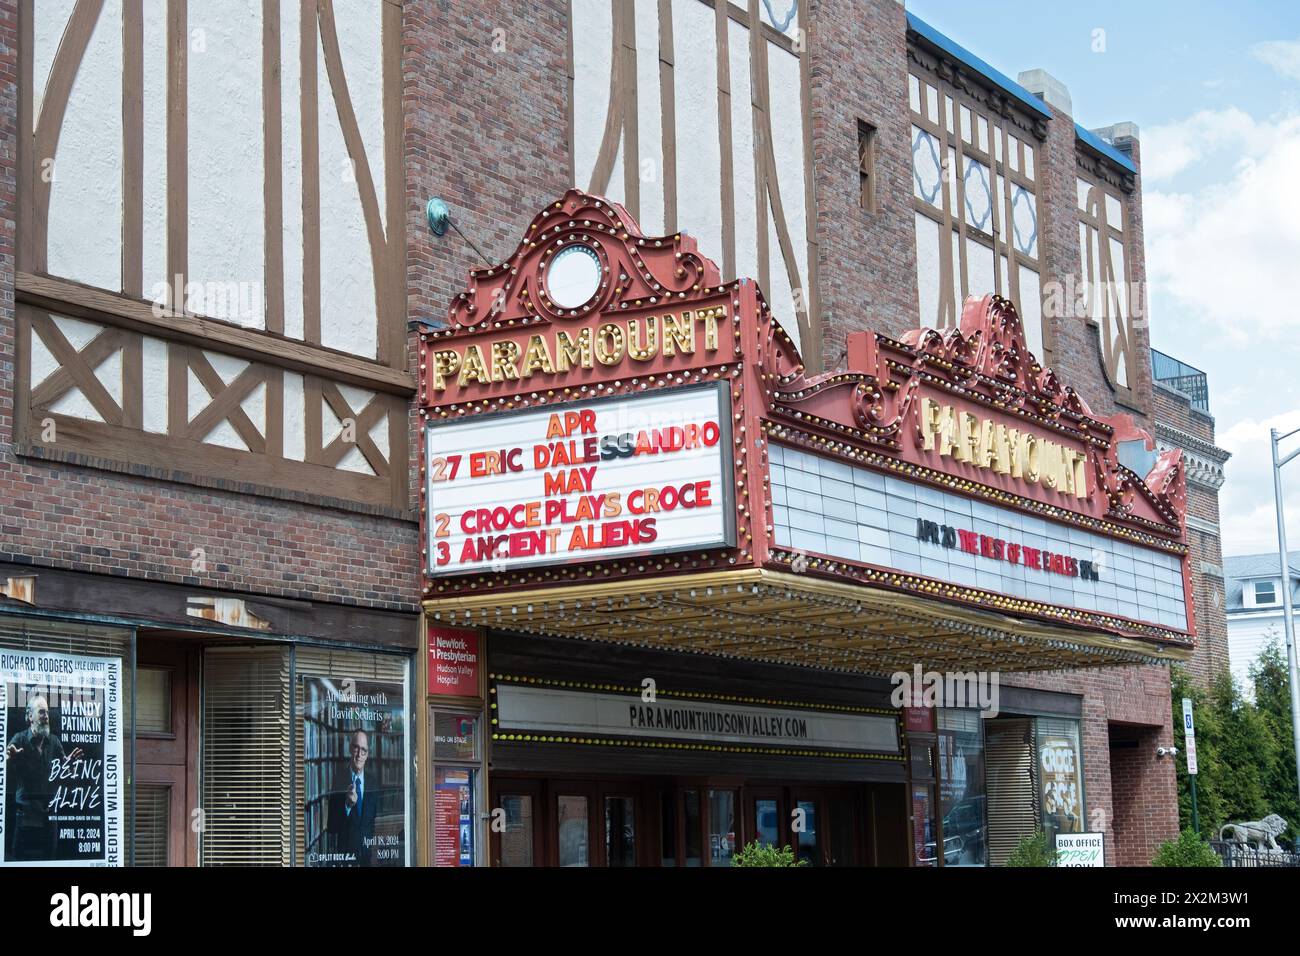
<point>618,447</point>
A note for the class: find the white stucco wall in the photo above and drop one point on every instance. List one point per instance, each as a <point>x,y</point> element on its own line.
<point>650,167</point>
<point>225,219</point>
<point>592,20</point>
<point>226,212</point>
<point>347,279</point>
<point>699,163</point>
<point>697,134</point>
<point>85,215</point>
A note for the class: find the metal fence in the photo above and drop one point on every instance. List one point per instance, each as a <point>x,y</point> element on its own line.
<point>1187,379</point>
<point>1244,854</point>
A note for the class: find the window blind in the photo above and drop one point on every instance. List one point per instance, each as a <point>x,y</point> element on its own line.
<point>1012,785</point>
<point>245,774</point>
<point>152,823</point>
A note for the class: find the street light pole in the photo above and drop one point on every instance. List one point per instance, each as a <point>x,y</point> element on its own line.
<point>1287,625</point>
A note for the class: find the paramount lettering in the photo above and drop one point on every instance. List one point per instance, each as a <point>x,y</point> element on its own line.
<point>992,446</point>
<point>612,343</point>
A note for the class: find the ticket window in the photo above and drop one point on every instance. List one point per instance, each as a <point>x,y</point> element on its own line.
<point>457,759</point>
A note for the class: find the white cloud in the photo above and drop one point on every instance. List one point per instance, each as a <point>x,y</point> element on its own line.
<point>1247,513</point>
<point>1171,148</point>
<point>1221,216</point>
<point>1229,252</point>
<point>1282,55</point>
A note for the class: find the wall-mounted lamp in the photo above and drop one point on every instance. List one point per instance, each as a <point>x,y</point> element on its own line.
<point>438,215</point>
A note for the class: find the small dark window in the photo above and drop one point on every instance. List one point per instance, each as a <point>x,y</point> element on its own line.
<point>866,166</point>
<point>1265,593</point>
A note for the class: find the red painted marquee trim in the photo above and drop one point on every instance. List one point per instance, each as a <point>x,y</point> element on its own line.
<point>866,414</point>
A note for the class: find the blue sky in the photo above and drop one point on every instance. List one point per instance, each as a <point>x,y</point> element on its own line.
<point>1215,91</point>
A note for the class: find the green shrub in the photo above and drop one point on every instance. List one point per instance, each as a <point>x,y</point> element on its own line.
<point>1187,850</point>
<point>1033,850</point>
<point>765,854</point>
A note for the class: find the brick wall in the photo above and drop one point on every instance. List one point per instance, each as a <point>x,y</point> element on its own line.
<point>1136,697</point>
<point>1175,410</point>
<point>486,110</point>
<point>867,260</point>
<point>1139,790</point>
<point>485,105</point>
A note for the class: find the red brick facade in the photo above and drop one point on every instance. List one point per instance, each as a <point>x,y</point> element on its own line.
<point>1182,426</point>
<point>867,260</point>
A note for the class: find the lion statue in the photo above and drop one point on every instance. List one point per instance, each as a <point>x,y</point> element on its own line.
<point>1261,833</point>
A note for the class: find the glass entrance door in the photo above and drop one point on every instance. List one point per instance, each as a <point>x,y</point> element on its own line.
<point>620,829</point>
<point>805,826</point>
<point>521,841</point>
<point>667,822</point>
<point>566,823</point>
<point>768,820</point>
<point>824,825</point>
<point>573,828</point>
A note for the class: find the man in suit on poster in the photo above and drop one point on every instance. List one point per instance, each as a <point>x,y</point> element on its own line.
<point>353,804</point>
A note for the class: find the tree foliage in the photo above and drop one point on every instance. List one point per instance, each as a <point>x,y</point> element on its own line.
<point>1244,749</point>
<point>1273,702</point>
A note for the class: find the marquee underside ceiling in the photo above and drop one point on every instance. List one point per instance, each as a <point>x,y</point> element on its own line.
<point>784,618</point>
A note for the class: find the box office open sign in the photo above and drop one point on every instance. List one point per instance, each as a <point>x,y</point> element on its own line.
<point>585,481</point>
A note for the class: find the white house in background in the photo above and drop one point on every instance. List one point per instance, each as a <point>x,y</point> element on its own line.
<point>1254,605</point>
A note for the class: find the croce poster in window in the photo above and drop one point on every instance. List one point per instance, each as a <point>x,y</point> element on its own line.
<point>1062,798</point>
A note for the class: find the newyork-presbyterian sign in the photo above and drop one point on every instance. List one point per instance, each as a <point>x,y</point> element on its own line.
<point>602,406</point>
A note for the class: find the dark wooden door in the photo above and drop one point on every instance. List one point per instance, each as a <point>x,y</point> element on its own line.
<point>167,819</point>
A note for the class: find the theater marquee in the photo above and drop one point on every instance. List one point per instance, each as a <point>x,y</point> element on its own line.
<point>619,446</point>
<point>581,481</point>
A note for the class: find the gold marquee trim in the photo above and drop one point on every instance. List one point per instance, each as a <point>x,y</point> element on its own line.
<point>790,436</point>
<point>786,618</point>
